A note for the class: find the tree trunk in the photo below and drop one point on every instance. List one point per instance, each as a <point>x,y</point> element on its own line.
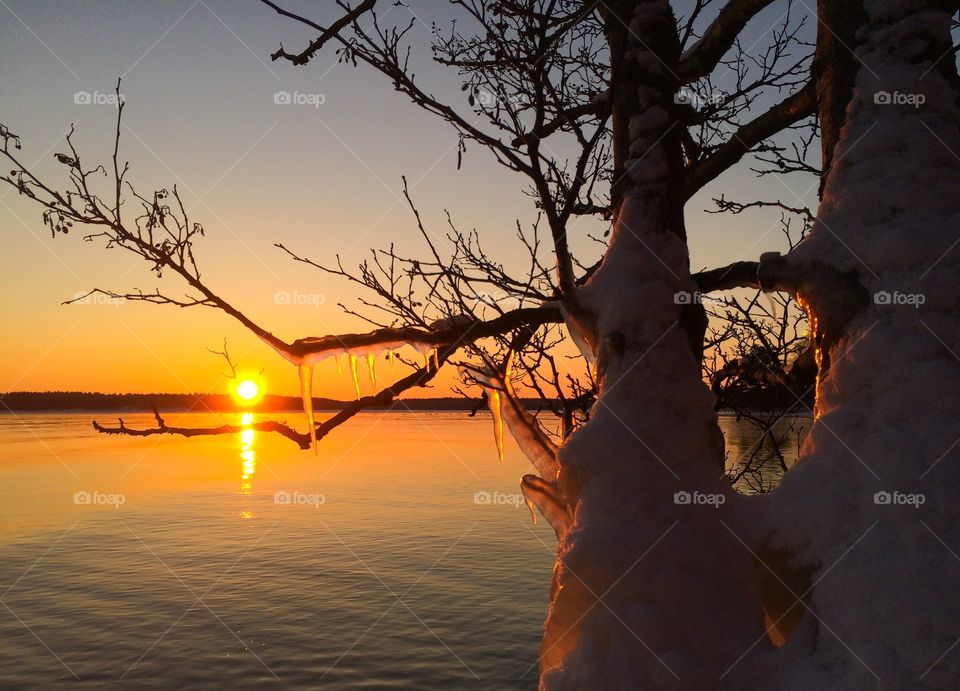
<point>835,68</point>
<point>871,508</point>
<point>660,580</point>
<point>647,587</point>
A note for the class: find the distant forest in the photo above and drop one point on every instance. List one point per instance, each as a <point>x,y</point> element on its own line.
<point>83,400</point>
<point>769,398</point>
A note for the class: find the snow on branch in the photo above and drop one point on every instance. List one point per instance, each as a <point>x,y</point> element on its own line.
<point>163,235</point>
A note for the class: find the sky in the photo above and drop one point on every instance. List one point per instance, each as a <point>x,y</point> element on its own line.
<point>322,178</point>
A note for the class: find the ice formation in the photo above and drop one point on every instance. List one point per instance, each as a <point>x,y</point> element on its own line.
<point>546,497</point>
<point>305,363</point>
<point>353,373</point>
<point>305,370</point>
<point>496,410</point>
<point>577,335</point>
<point>526,431</point>
<point>542,492</point>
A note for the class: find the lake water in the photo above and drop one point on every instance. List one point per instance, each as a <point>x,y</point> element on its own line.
<point>400,557</point>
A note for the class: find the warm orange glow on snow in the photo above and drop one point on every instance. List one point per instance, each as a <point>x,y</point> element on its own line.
<point>817,352</point>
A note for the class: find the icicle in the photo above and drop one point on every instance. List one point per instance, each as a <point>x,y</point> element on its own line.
<point>339,366</point>
<point>533,443</point>
<point>390,357</point>
<point>579,338</point>
<point>305,371</point>
<point>436,358</point>
<point>531,506</point>
<point>371,367</point>
<point>353,371</point>
<point>545,496</point>
<point>426,360</point>
<point>771,304</point>
<point>493,400</point>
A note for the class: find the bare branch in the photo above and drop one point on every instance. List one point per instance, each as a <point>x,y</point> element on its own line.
<point>326,34</point>
<point>794,108</point>
<point>700,59</point>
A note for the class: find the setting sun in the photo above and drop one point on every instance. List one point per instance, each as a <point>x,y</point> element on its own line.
<point>247,390</point>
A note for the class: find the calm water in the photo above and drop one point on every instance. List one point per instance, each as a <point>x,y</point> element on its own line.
<point>244,562</point>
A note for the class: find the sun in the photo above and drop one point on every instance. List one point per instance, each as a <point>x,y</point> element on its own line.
<point>247,390</point>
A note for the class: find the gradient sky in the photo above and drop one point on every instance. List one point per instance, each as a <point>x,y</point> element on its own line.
<point>200,113</point>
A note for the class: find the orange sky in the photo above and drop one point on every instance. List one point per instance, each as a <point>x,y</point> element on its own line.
<point>200,113</point>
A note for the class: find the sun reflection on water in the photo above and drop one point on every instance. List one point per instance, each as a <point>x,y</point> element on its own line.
<point>248,458</point>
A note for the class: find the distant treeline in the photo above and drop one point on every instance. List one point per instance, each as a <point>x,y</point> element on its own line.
<point>145,402</point>
<point>770,400</point>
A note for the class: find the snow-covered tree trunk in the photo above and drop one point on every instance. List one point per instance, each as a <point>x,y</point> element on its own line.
<point>659,589</point>
<point>647,588</point>
<point>883,605</point>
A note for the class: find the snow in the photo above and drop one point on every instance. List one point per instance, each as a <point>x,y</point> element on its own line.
<point>305,367</point>
<point>651,591</point>
<point>885,609</point>
<point>654,588</point>
<point>679,592</point>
